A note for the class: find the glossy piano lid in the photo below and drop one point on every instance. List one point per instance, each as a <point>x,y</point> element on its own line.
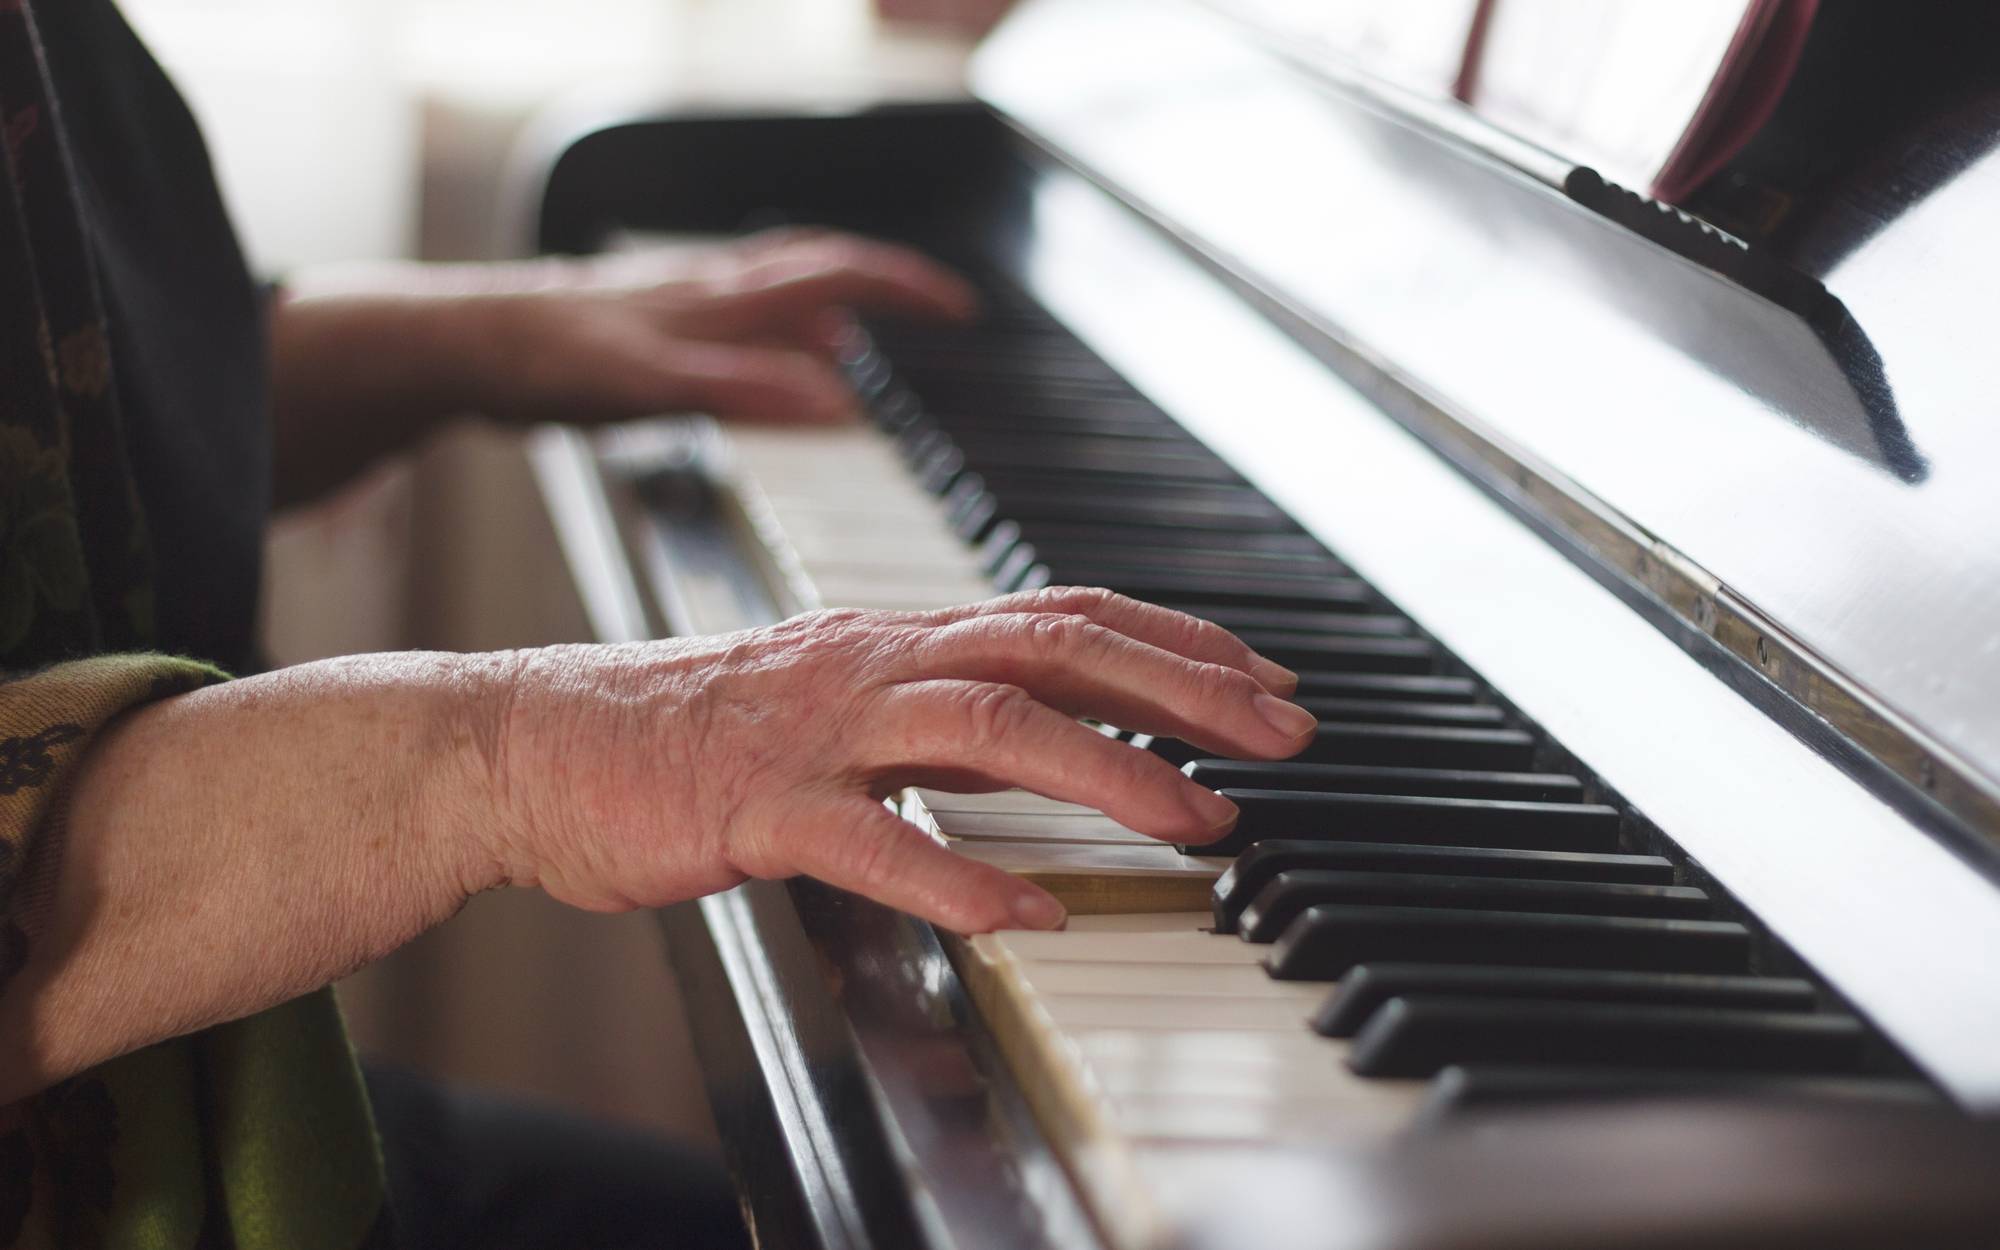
<point>1691,1174</point>
<point>1830,465</point>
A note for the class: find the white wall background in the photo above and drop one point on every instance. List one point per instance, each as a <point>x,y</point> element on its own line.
<point>315,107</point>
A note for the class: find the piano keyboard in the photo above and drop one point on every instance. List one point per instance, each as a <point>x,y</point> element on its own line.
<point>1432,909</point>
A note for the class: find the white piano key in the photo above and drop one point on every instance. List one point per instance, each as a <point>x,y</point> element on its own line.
<point>870,592</point>
<point>1320,1077</point>
<point>1022,802</point>
<point>1084,976</point>
<point>1252,1051</point>
<point>918,538</point>
<point>1167,946</point>
<point>1098,858</point>
<point>1177,1013</point>
<point>1137,922</point>
<point>1038,827</point>
<point>1289,1120</point>
<point>897,565</point>
<point>887,523</point>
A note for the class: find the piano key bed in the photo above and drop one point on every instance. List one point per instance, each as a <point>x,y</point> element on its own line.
<point>1434,909</point>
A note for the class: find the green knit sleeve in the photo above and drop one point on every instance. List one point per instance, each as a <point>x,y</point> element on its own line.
<point>255,1134</point>
<point>47,721</point>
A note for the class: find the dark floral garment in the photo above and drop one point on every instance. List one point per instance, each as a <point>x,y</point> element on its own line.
<point>252,1134</point>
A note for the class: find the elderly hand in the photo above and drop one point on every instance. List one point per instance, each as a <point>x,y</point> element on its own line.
<point>744,330</point>
<point>279,831</point>
<point>367,359</point>
<point>642,775</point>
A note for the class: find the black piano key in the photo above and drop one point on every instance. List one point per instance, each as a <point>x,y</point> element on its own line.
<point>1258,866</point>
<point>1046,446</point>
<point>1308,815</point>
<point>1468,1088</point>
<point>1403,687</point>
<point>1213,508</point>
<point>1420,1036</point>
<point>1400,712</point>
<point>1329,940</point>
<point>1341,652</point>
<point>1239,618</point>
<point>1088,482</point>
<point>1015,362</point>
<point>1183,559</point>
<point>1088,459</point>
<point>1243,588</point>
<point>1108,419</point>
<point>918,439</point>
<point>1394,746</point>
<point>980,392</point>
<point>1442,783</point>
<point>1291,893</point>
<point>1416,746</point>
<point>1031,391</point>
<point>1057,487</point>
<point>1020,567</point>
<point>972,516</point>
<point>1407,687</point>
<point>1007,534</point>
<point>1029,565</point>
<point>938,468</point>
<point>1364,989</point>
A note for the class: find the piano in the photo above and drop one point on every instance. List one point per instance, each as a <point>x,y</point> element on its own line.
<point>1641,885</point>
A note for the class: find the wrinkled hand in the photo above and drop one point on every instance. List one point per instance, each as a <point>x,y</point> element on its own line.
<point>744,330</point>
<point>645,774</point>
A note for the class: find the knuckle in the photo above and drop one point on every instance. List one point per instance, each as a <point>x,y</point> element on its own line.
<point>1071,637</point>
<point>825,634</point>
<point>996,713</point>
<point>830,622</point>
<point>1075,600</point>
<point>873,855</point>
<point>1203,637</point>
<point>1218,684</point>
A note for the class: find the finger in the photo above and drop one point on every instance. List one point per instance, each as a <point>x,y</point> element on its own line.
<point>1085,669</point>
<point>853,273</point>
<point>1162,627</point>
<point>1001,734</point>
<point>862,846</point>
<point>751,383</point>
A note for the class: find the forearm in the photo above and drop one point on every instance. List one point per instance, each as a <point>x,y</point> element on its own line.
<point>234,847</point>
<point>356,376</point>
<point>367,360</point>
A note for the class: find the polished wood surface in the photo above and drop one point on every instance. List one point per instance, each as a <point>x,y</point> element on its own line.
<point>1811,481</point>
<point>1328,289</point>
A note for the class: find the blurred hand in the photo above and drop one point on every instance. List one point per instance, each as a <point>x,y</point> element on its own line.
<point>746,330</point>
<point>642,775</point>
<point>367,359</point>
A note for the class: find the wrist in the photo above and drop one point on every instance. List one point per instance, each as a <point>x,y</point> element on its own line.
<point>472,799</point>
<point>428,342</point>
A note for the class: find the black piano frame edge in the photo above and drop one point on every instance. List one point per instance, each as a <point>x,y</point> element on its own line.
<point>806,1035</point>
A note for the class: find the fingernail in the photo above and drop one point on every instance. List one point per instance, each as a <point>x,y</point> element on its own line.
<point>1037,910</point>
<point>1273,676</point>
<point>1288,719</point>
<point>1217,814</point>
